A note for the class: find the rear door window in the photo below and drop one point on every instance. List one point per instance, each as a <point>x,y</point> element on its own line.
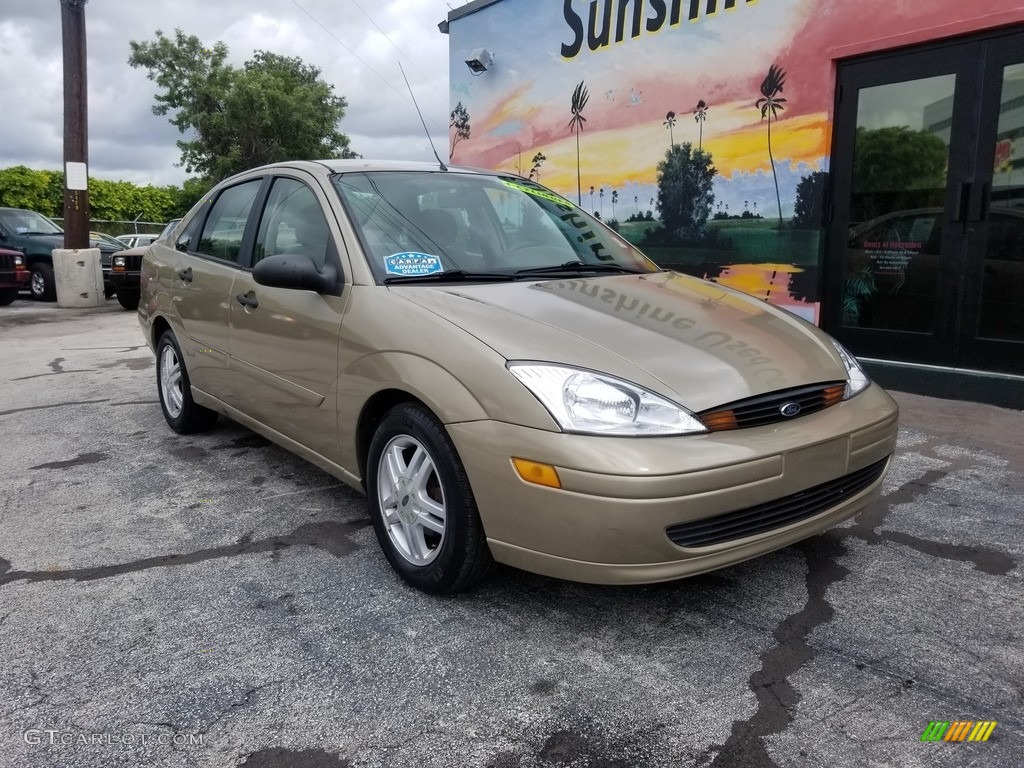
<point>225,225</point>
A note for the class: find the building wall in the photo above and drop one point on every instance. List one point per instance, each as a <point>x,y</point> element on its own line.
<point>646,67</point>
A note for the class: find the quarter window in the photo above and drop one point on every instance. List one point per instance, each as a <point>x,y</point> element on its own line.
<point>225,225</point>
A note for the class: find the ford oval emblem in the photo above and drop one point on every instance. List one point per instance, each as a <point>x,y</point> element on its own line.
<point>790,409</point>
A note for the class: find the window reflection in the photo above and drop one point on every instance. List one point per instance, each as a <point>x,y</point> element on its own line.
<point>1002,295</point>
<point>896,207</point>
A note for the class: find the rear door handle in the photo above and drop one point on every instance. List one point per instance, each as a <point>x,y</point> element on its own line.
<point>185,275</point>
<point>247,300</point>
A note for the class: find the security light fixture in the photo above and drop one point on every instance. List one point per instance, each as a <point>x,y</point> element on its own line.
<point>478,61</point>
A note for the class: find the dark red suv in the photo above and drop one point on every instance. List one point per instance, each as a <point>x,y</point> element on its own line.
<point>13,275</point>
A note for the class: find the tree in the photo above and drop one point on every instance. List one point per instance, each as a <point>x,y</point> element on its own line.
<point>274,108</point>
<point>895,168</point>
<point>459,121</point>
<point>41,191</point>
<point>810,199</point>
<point>770,105</point>
<point>700,114</point>
<point>615,198</point>
<point>580,96</point>
<point>538,161</point>
<point>685,198</point>
<point>670,121</point>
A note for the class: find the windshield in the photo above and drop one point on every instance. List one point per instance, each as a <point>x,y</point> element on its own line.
<point>28,223</point>
<point>416,224</point>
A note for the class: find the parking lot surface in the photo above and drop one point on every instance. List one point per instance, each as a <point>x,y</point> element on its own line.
<point>214,601</point>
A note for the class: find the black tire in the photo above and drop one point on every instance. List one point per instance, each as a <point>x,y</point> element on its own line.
<point>7,296</point>
<point>41,284</point>
<point>185,417</point>
<point>456,558</point>
<point>128,299</point>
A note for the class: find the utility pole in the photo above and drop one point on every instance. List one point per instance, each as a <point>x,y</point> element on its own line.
<point>76,136</point>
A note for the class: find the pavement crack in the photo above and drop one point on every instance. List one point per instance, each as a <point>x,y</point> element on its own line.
<point>775,695</point>
<point>79,460</point>
<point>239,704</point>
<point>868,527</point>
<point>330,537</point>
<point>53,405</point>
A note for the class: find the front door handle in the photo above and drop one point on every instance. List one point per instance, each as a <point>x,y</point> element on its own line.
<point>247,300</point>
<point>185,275</point>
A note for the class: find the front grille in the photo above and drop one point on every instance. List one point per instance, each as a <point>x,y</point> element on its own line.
<point>768,409</point>
<point>6,261</point>
<point>774,514</point>
<point>133,263</point>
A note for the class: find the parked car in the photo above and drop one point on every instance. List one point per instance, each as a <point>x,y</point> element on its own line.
<point>541,395</point>
<point>126,266</point>
<point>37,237</point>
<point>138,240</point>
<point>13,275</point>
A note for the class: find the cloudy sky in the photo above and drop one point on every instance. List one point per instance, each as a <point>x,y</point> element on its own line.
<point>356,43</point>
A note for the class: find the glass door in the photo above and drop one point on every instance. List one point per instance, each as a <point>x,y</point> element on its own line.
<point>926,247</point>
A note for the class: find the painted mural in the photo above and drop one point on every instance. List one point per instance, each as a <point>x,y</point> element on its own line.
<point>699,128</point>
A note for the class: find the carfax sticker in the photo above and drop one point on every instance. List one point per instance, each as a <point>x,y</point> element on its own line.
<point>412,264</point>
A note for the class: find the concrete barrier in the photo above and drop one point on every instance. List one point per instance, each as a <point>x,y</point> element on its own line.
<point>79,277</point>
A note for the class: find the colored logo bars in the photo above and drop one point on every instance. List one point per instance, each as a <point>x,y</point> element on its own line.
<point>959,730</point>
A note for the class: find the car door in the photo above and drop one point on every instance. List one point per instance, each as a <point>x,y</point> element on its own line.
<point>201,267</point>
<point>284,341</point>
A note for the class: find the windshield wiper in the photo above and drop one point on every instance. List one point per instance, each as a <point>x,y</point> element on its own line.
<point>453,275</point>
<point>578,266</point>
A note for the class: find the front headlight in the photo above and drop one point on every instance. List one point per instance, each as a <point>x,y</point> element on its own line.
<point>119,262</point>
<point>19,261</point>
<point>856,379</point>
<point>596,404</point>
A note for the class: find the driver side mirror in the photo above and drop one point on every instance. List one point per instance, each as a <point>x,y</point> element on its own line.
<point>296,271</point>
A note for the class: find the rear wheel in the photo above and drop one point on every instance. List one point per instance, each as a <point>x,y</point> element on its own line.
<point>183,414</point>
<point>41,283</point>
<point>7,296</point>
<point>421,503</point>
<point>128,299</point>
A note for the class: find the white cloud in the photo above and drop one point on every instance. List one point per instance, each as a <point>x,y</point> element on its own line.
<point>127,141</point>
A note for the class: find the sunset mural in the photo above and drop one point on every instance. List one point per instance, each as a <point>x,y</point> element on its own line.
<point>640,60</point>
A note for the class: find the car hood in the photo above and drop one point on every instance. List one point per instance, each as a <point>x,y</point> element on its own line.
<point>695,341</point>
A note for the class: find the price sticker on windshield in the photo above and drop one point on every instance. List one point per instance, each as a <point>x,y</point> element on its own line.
<point>412,264</point>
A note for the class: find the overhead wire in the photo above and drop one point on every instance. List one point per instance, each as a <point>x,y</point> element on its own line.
<point>393,45</point>
<point>359,58</point>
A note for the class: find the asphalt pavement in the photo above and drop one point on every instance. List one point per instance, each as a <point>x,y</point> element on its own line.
<point>213,600</point>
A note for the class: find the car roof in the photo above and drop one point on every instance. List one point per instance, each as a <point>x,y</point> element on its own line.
<point>361,164</point>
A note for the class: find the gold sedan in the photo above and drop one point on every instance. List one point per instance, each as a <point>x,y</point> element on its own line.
<point>505,377</point>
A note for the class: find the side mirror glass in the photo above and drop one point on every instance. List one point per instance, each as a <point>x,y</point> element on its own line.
<point>296,271</point>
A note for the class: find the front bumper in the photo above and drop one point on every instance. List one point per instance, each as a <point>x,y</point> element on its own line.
<point>609,522</point>
<point>14,278</point>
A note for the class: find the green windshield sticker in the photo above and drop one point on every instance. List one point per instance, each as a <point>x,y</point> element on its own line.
<point>537,192</point>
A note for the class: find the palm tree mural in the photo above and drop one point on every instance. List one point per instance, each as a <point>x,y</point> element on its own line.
<point>615,198</point>
<point>580,96</point>
<point>538,161</point>
<point>770,105</point>
<point>670,121</point>
<point>591,197</point>
<point>700,114</point>
<point>600,195</point>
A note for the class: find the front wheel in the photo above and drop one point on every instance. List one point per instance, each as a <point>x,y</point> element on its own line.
<point>183,414</point>
<point>421,503</point>
<point>41,283</point>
